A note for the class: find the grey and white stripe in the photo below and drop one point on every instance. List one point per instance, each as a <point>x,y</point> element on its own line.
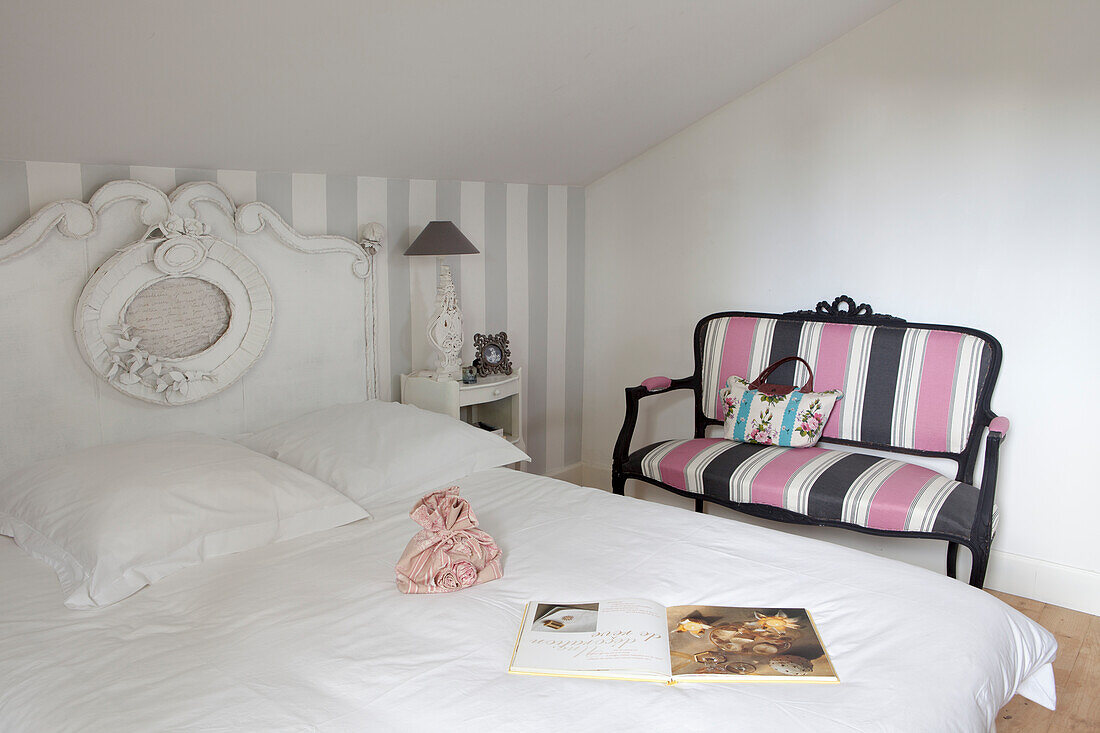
<point>904,425</point>
<point>963,404</point>
<point>538,324</point>
<point>693,471</point>
<point>855,381</point>
<point>496,257</point>
<point>857,502</point>
<point>14,196</point>
<point>804,478</point>
<point>574,322</point>
<point>713,339</point>
<point>743,477</point>
<point>761,347</point>
<point>713,344</point>
<point>927,504</point>
<point>651,463</point>
<point>809,344</point>
<point>335,204</point>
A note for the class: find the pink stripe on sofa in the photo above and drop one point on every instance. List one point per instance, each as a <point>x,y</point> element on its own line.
<point>672,465</point>
<point>832,366</point>
<point>770,483</point>
<point>736,354</point>
<point>890,505</point>
<point>941,354</point>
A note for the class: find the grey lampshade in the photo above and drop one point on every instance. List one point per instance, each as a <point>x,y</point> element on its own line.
<point>441,238</point>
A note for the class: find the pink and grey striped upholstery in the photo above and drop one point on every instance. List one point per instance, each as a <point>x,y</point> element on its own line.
<point>911,388</point>
<point>822,484</point>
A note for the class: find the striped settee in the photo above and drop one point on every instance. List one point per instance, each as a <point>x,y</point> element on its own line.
<point>909,389</point>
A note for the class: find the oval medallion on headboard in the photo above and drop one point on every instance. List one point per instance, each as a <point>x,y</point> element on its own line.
<point>175,317</point>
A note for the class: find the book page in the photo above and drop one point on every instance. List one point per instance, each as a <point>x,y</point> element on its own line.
<point>723,644</point>
<point>609,638</point>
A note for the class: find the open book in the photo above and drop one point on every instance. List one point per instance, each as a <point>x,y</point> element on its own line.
<point>634,639</point>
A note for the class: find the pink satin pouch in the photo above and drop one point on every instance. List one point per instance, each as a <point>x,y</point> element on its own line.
<point>451,552</point>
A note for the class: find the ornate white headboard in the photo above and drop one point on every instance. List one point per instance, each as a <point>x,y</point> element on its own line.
<point>141,314</point>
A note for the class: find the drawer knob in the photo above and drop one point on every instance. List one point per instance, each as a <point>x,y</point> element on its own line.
<point>496,392</point>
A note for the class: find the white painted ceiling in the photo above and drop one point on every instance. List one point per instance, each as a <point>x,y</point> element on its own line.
<point>550,91</point>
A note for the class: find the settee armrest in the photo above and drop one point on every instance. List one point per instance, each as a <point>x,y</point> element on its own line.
<point>662,384</point>
<point>651,386</point>
<point>656,384</point>
<point>998,429</point>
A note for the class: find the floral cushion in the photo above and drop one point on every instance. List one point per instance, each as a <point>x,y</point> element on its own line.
<point>822,484</point>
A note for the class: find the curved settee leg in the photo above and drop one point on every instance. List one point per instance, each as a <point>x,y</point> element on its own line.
<point>979,565</point>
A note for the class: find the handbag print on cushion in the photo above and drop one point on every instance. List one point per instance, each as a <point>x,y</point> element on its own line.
<point>776,414</point>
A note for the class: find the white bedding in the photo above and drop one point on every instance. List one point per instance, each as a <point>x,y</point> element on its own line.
<point>312,635</point>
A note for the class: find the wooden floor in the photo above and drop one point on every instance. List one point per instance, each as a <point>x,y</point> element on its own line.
<point>1076,673</point>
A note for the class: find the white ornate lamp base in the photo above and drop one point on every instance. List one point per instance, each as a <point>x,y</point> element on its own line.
<point>445,328</point>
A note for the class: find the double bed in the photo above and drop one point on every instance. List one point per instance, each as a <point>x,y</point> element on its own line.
<point>311,633</point>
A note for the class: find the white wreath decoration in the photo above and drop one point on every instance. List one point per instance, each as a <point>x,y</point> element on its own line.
<point>131,365</point>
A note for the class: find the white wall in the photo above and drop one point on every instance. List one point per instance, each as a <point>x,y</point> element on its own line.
<point>940,162</point>
<point>527,280</point>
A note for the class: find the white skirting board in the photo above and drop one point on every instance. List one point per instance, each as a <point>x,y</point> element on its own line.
<point>1019,575</point>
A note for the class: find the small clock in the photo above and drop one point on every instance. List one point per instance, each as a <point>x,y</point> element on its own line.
<point>492,354</point>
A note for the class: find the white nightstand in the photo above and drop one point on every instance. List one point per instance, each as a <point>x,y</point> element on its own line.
<point>494,400</point>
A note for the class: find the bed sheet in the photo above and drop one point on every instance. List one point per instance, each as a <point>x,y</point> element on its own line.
<point>312,635</point>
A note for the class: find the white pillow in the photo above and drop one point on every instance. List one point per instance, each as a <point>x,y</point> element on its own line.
<point>377,451</point>
<point>113,519</point>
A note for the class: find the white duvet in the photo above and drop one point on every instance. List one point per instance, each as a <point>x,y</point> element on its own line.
<point>312,635</point>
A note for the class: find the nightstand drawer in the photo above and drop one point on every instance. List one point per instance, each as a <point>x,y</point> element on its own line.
<point>491,388</point>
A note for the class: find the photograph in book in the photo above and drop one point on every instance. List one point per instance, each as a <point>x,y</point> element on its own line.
<point>566,619</point>
<point>780,643</point>
<point>637,639</point>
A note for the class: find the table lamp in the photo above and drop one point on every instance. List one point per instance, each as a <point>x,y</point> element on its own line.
<point>441,239</point>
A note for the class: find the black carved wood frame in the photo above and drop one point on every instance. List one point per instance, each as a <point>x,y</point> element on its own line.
<point>484,368</point>
<point>981,533</point>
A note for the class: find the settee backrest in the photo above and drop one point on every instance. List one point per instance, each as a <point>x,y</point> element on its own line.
<point>914,387</point>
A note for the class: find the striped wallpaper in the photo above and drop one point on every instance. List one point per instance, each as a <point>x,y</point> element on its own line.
<point>528,279</point>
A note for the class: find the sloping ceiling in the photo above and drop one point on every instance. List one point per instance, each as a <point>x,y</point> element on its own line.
<point>550,91</point>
